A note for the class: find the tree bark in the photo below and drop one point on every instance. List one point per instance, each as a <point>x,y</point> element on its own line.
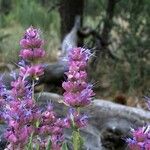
<point>103,42</point>
<point>68,10</point>
<point>108,23</point>
<point>5,6</point>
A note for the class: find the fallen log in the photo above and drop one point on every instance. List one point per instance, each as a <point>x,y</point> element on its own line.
<point>101,110</point>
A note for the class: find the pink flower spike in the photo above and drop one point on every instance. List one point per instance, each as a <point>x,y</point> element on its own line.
<point>78,93</point>
<point>31,39</point>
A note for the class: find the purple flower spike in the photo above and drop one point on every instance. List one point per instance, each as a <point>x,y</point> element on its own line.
<point>31,45</point>
<point>141,139</point>
<point>18,108</point>
<point>78,93</point>
<point>31,39</point>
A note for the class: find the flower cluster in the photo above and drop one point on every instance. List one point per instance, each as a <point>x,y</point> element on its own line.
<point>31,45</point>
<point>29,126</point>
<point>26,121</point>
<point>52,126</point>
<point>141,136</point>
<point>19,112</point>
<point>78,93</point>
<point>31,51</point>
<point>20,117</point>
<point>141,139</point>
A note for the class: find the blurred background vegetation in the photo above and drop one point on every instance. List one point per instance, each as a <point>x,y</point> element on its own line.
<point>127,25</point>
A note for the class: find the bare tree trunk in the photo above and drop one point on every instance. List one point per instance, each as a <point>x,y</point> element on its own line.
<point>5,6</point>
<point>103,42</point>
<point>68,10</point>
<point>108,23</point>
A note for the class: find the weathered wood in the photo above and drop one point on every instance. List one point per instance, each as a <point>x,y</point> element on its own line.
<point>71,39</point>
<point>102,110</point>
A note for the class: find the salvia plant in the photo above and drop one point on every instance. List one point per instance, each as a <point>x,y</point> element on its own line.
<point>140,137</point>
<point>29,126</point>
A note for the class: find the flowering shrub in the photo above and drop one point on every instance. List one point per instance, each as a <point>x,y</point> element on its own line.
<point>141,136</point>
<point>29,127</point>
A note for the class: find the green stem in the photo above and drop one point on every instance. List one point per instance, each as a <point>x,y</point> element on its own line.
<point>77,140</point>
<point>30,144</point>
<point>78,110</point>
